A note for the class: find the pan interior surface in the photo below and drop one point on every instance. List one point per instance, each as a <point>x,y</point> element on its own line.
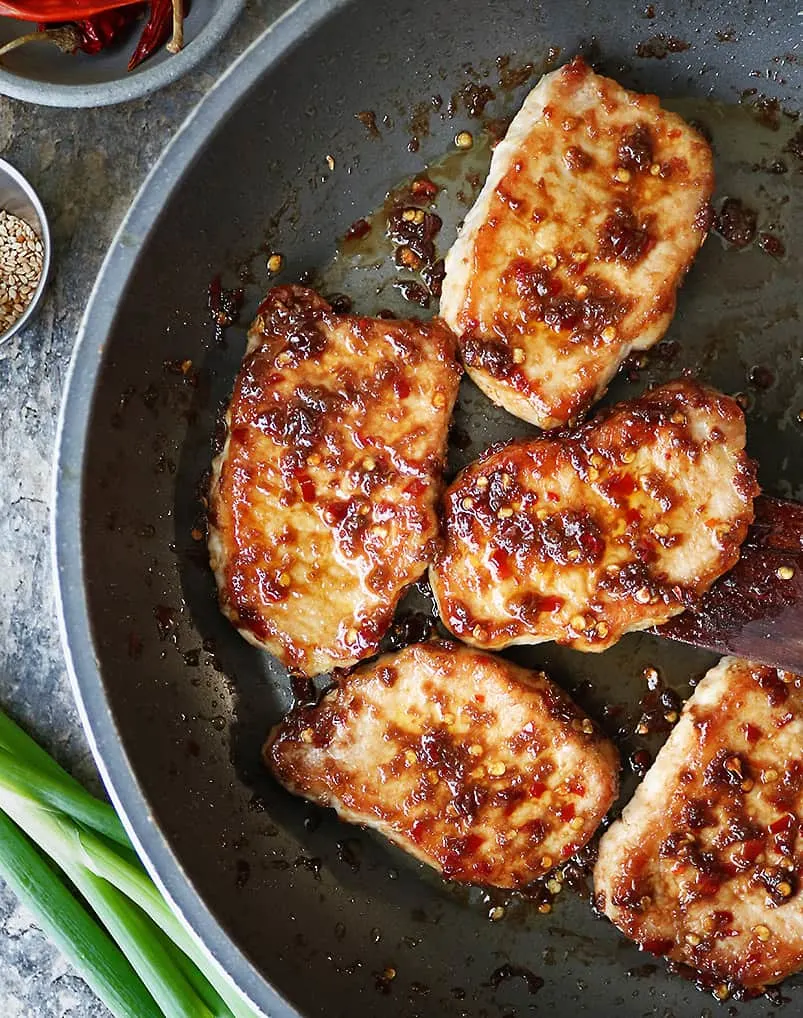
<point>292,901</point>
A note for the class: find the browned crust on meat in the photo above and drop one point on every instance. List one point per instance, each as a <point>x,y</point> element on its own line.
<point>486,771</point>
<point>704,866</point>
<point>582,538</point>
<point>322,505</point>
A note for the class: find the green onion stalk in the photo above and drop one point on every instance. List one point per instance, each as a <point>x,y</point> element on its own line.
<point>131,949</point>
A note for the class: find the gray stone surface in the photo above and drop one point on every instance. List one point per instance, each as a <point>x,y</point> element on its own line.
<point>86,165</point>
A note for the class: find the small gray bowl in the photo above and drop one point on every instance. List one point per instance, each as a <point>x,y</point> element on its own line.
<point>19,199</point>
<point>41,73</point>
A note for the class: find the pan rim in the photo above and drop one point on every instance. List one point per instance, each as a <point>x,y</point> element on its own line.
<point>66,545</point>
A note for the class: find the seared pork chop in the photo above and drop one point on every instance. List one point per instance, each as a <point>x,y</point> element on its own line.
<point>483,770</point>
<point>614,527</point>
<point>322,505</point>
<point>596,203</point>
<point>704,865</point>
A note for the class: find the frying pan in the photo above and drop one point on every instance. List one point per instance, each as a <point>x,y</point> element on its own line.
<point>310,917</point>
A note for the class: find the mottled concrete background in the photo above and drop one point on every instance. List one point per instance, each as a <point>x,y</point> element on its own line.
<point>86,165</point>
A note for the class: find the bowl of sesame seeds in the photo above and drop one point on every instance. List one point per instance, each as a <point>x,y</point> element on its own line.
<point>24,251</point>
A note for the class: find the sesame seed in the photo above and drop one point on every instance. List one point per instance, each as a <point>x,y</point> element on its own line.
<point>410,756</point>
<point>643,595</point>
<point>576,823</point>
<point>622,175</point>
<point>369,463</point>
<point>467,502</point>
<point>608,333</point>
<point>546,862</point>
<point>314,460</point>
<point>475,749</point>
<point>496,913</point>
<point>660,529</point>
<point>496,769</point>
<point>747,785</point>
<point>464,140</point>
<point>762,931</point>
<point>655,169</point>
<point>769,775</point>
<point>307,735</point>
<point>722,992</point>
<point>518,355</point>
<point>21,263</point>
<point>550,261</point>
<point>505,513</point>
<point>482,483</point>
<point>785,572</point>
<point>275,263</point>
<point>554,886</point>
<point>693,939</point>
<point>784,889</point>
<point>582,291</point>
<point>578,623</point>
<point>413,216</point>
<point>602,630</point>
<point>284,580</point>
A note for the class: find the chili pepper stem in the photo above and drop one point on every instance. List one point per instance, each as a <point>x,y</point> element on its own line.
<point>66,38</point>
<point>176,43</point>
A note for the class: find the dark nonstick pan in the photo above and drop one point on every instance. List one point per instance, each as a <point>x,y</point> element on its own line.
<point>308,916</point>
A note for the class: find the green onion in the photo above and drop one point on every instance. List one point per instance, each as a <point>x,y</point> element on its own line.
<point>84,837</point>
<point>79,938</point>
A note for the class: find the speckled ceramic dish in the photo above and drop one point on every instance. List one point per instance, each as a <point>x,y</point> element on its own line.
<point>40,73</point>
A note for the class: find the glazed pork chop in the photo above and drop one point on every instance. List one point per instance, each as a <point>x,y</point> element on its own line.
<point>322,506</point>
<point>614,527</point>
<point>704,865</point>
<point>595,205</point>
<point>483,770</point>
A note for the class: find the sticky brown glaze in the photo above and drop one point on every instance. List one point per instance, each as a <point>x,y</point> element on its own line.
<point>323,498</point>
<point>705,864</point>
<point>595,205</point>
<point>613,527</point>
<point>486,771</point>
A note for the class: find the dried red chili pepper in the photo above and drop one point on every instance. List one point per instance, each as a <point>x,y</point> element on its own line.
<point>57,10</point>
<point>157,31</point>
<point>102,30</point>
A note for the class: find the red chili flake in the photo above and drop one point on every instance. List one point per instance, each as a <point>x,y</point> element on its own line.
<point>576,787</point>
<point>359,228</point>
<point>550,604</point>
<point>566,812</point>
<point>783,824</point>
<point>307,487</point>
<point>401,387</point>
<point>499,559</point>
<point>553,496</point>
<point>416,487</point>
<point>751,732</point>
<point>537,789</point>
<point>424,188</point>
<point>417,830</point>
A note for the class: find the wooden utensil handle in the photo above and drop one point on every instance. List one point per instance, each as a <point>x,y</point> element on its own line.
<point>756,610</point>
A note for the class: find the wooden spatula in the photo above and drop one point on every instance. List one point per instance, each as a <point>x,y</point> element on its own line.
<point>756,610</point>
